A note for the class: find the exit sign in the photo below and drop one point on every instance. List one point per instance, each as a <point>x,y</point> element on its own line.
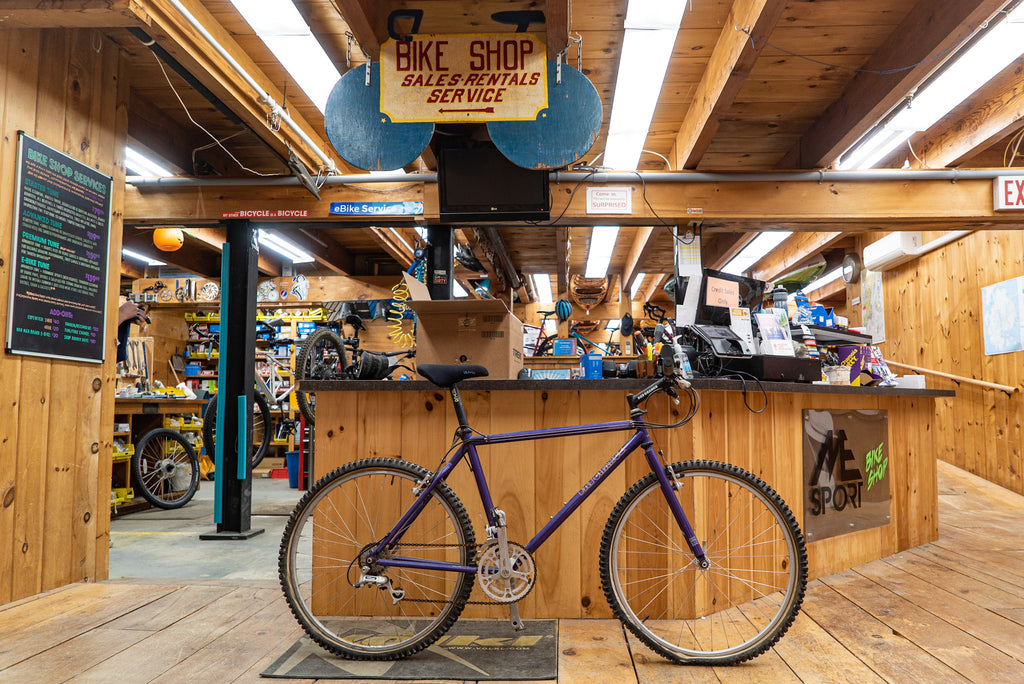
<point>1009,193</point>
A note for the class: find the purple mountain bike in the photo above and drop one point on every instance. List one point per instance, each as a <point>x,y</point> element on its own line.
<point>701,560</point>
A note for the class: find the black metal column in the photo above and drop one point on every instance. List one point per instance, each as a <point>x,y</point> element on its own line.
<point>233,509</point>
<point>439,261</point>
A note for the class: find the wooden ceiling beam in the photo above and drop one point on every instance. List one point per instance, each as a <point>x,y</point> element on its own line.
<point>792,251</point>
<point>929,29</point>
<point>556,19</point>
<point>69,14</point>
<point>392,245</point>
<point>193,256</point>
<point>993,113</point>
<point>637,251</point>
<point>164,23</point>
<point>215,239</point>
<point>368,21</point>
<point>480,244</point>
<point>794,205</point>
<point>561,262</point>
<point>731,60</point>
<point>718,249</point>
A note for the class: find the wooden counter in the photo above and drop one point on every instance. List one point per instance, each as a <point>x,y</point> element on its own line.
<point>414,420</point>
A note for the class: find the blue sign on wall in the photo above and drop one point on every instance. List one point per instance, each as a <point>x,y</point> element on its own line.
<point>377,208</point>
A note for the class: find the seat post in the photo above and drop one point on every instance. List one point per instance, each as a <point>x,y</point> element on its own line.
<point>460,411</point>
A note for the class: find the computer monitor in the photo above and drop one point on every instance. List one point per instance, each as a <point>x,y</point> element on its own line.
<point>719,291</point>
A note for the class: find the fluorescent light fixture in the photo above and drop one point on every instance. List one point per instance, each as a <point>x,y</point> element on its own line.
<point>283,30</point>
<point>638,280</point>
<point>141,165</point>
<point>970,70</point>
<point>458,290</point>
<point>755,251</point>
<point>823,280</point>
<point>650,33</point>
<point>613,324</point>
<point>602,243</point>
<point>284,248</point>
<point>542,286</point>
<point>141,257</point>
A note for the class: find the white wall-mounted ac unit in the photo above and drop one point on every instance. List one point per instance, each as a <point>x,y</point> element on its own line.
<point>892,250</point>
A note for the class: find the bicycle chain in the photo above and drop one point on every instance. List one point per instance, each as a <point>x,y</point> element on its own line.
<point>475,547</point>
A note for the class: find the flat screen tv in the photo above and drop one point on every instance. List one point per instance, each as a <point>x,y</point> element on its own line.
<point>477,183</point>
<point>720,290</point>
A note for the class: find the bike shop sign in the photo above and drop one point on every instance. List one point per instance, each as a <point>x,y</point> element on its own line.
<point>846,472</point>
<point>465,77</point>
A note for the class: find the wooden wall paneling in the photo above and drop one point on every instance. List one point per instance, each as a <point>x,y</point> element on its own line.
<point>968,353</point>
<point>30,479</point>
<point>112,138</point>
<point>54,111</point>
<point>26,500</point>
<point>512,474</point>
<point>86,91</point>
<point>12,116</point>
<point>781,445</point>
<point>558,476</point>
<point>598,406</point>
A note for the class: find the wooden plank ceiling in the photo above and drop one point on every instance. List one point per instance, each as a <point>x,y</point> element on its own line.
<point>753,85</point>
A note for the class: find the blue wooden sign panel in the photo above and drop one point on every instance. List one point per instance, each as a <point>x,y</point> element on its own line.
<point>560,134</point>
<point>362,134</point>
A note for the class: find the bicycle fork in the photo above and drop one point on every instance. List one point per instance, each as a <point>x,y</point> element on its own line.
<point>669,487</point>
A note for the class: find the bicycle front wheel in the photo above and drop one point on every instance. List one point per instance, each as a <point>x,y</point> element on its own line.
<point>367,611</point>
<point>260,428</point>
<point>165,468</point>
<point>729,612</point>
<point>321,357</point>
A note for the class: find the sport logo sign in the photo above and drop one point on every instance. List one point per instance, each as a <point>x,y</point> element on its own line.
<point>846,472</point>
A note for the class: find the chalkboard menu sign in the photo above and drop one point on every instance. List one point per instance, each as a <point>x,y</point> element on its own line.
<point>59,256</point>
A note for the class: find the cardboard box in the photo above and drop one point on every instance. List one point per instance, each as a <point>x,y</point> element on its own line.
<point>476,331</point>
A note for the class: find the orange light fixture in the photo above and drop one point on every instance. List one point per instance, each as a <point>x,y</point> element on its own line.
<point>168,239</point>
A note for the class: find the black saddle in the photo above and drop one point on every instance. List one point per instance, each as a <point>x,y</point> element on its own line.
<point>446,375</point>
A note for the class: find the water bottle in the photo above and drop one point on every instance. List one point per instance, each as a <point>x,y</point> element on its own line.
<point>780,298</point>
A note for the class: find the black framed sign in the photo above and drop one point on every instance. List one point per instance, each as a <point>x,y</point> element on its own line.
<point>61,234</point>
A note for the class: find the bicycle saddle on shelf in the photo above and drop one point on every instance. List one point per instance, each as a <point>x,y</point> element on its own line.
<point>446,375</point>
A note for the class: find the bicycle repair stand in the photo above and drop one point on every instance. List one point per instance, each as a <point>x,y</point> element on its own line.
<point>232,508</point>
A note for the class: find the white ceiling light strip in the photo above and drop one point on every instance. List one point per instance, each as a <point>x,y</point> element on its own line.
<point>602,243</point>
<point>755,251</point>
<point>141,257</point>
<point>283,30</point>
<point>283,247</point>
<point>542,286</point>
<point>140,164</point>
<point>972,68</point>
<point>651,27</point>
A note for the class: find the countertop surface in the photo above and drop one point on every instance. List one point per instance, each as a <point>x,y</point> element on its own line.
<point>625,384</point>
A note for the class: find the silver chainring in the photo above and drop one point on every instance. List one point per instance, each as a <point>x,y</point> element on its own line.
<point>513,588</point>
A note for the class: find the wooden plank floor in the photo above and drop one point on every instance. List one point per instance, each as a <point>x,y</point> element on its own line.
<point>950,611</point>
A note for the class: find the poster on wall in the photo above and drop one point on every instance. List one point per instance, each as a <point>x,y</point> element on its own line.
<point>846,472</point>
<point>61,232</point>
<point>872,305</point>
<point>1002,322</point>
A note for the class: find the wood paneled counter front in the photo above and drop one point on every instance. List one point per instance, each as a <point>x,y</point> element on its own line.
<point>414,420</point>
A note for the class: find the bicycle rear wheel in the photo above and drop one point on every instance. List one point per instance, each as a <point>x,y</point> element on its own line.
<point>321,357</point>
<point>260,428</point>
<point>733,610</point>
<point>165,468</point>
<point>392,612</point>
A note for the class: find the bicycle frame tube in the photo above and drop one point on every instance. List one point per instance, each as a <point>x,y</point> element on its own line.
<point>468,449</point>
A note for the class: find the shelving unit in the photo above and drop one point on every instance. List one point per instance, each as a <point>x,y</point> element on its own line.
<point>141,415</point>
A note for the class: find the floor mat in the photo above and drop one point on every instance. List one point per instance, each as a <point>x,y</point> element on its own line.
<point>474,650</point>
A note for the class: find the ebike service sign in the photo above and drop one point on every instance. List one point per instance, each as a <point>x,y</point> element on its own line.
<point>846,472</point>
<point>465,77</point>
<point>61,233</point>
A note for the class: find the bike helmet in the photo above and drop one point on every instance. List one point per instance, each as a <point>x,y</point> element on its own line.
<point>563,309</point>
